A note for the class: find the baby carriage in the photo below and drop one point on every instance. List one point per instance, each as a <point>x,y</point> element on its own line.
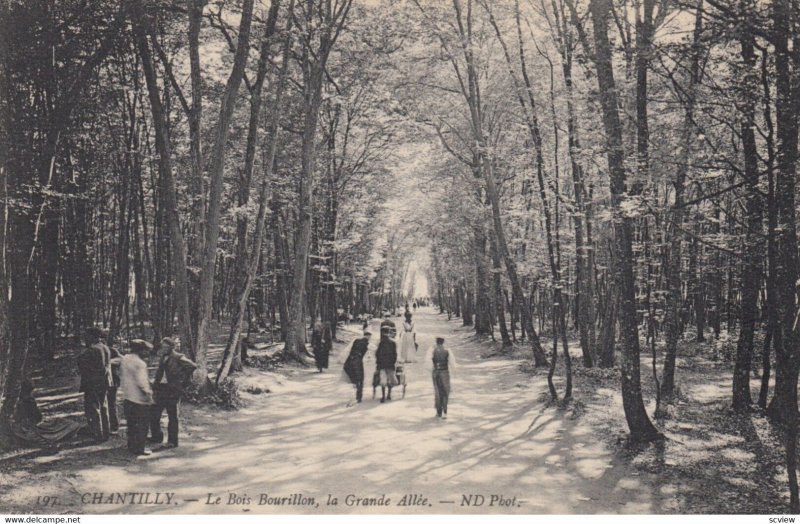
<point>400,380</point>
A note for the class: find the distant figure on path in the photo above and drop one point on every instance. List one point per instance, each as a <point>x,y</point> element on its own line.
<point>174,369</point>
<point>354,365</point>
<point>408,342</point>
<point>138,395</point>
<point>385,360</point>
<point>94,365</point>
<point>415,306</point>
<point>442,364</point>
<point>321,341</point>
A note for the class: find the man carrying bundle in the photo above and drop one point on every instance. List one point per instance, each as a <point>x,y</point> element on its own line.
<point>173,370</point>
<point>95,370</point>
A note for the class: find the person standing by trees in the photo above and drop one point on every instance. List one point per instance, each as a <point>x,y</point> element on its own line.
<point>173,370</point>
<point>95,370</point>
<point>321,341</point>
<point>441,363</point>
<point>137,393</point>
<point>385,361</point>
<point>354,365</point>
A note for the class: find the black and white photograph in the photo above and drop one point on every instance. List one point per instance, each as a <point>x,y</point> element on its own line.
<point>399,257</point>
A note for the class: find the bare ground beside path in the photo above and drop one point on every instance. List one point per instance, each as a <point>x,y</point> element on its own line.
<point>307,437</point>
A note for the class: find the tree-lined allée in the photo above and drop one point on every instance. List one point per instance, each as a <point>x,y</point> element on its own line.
<point>601,182</point>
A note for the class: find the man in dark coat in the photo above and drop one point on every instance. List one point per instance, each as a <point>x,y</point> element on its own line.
<point>95,370</point>
<point>354,365</point>
<point>173,370</point>
<point>385,360</point>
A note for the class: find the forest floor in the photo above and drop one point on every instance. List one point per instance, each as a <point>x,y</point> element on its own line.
<point>503,438</point>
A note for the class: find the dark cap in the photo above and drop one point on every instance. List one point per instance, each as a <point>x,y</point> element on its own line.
<point>440,340</point>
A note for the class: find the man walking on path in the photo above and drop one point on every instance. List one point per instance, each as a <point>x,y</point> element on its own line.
<point>442,364</point>
<point>385,360</point>
<point>138,395</point>
<point>354,365</point>
<point>173,370</point>
<point>94,365</point>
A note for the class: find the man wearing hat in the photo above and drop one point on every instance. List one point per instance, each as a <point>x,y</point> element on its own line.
<point>173,370</point>
<point>135,387</point>
<point>95,370</point>
<point>441,363</point>
<point>354,365</point>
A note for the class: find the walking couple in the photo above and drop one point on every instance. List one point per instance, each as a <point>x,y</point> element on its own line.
<point>385,360</point>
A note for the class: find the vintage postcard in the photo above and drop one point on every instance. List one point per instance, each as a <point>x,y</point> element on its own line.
<point>398,257</point>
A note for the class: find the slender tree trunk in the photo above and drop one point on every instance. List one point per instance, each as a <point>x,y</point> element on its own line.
<point>313,76</point>
<point>641,429</point>
<point>499,298</point>
<point>751,269</point>
<point>233,343</point>
<point>216,175</point>
<point>677,214</point>
<point>168,192</point>
<point>195,11</point>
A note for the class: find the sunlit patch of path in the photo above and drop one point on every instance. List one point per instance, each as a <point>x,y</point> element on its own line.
<point>309,438</point>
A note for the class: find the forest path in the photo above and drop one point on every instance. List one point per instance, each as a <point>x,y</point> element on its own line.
<point>309,438</point>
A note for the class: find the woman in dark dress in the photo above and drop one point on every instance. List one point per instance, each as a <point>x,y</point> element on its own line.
<point>354,365</point>
<point>322,342</point>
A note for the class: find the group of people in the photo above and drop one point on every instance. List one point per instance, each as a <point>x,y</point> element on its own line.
<point>104,371</point>
<point>439,361</point>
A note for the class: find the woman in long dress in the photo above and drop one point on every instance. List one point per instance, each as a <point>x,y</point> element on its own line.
<point>408,342</point>
<point>321,341</point>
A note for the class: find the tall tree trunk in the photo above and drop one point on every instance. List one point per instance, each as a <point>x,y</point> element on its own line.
<point>232,345</point>
<point>641,429</point>
<point>314,64</point>
<point>499,299</point>
<point>195,11</point>
<point>783,406</point>
<point>483,302</point>
<point>751,268</point>
<point>168,192</point>
<point>216,175</point>
<point>677,214</point>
